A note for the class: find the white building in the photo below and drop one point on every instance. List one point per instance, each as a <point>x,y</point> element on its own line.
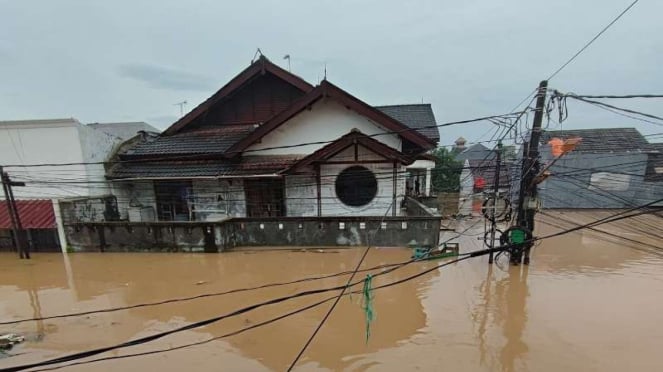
<point>32,151</point>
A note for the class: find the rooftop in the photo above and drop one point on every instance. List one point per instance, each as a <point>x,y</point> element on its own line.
<point>124,130</point>
<point>602,139</point>
<point>416,116</point>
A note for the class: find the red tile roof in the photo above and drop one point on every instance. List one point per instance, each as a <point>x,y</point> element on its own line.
<point>34,214</point>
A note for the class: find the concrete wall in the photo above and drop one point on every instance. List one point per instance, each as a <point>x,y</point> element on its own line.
<point>326,121</point>
<point>246,232</point>
<point>570,184</point>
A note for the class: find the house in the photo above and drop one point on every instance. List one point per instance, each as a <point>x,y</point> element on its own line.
<point>610,168</point>
<point>477,179</point>
<point>48,187</point>
<point>268,147</point>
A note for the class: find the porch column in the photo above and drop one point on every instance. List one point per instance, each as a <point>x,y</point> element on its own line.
<point>393,202</point>
<point>318,188</point>
<point>429,181</point>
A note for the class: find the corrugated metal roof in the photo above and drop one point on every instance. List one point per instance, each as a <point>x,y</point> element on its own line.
<point>416,116</point>
<point>34,214</point>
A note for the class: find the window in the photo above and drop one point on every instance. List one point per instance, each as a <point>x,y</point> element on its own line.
<point>356,186</point>
<point>609,181</point>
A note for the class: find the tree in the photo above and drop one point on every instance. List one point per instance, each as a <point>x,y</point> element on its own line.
<point>446,174</point>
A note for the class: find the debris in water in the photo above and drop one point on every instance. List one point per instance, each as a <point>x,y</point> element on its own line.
<point>7,341</point>
<point>201,282</point>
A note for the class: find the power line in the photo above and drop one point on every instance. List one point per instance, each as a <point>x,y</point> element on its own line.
<point>196,156</point>
<point>590,42</point>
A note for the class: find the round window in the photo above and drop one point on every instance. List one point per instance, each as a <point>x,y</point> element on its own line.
<point>356,186</point>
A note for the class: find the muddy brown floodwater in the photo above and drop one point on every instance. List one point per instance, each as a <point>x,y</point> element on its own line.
<point>588,302</point>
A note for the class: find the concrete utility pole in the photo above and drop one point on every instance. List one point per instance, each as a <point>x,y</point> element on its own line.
<point>527,201</point>
<point>17,229</point>
<point>496,188</point>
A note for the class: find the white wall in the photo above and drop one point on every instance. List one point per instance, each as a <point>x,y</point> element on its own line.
<point>38,142</point>
<point>466,190</point>
<point>96,146</point>
<point>301,190</point>
<point>56,141</point>
<point>134,194</point>
<point>326,121</point>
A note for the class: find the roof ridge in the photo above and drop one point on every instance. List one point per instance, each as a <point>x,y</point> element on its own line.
<point>404,104</point>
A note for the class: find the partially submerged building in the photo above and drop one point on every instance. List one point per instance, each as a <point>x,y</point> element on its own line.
<point>52,190</point>
<point>270,159</point>
<point>609,168</point>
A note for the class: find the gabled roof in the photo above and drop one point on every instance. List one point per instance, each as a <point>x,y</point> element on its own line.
<point>350,139</point>
<point>260,66</point>
<point>476,152</point>
<point>417,116</point>
<point>602,139</point>
<point>329,90</point>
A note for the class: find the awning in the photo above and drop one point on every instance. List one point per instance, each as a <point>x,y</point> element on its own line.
<point>34,214</point>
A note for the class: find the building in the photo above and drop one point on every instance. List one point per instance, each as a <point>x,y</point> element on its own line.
<point>610,168</point>
<point>57,141</point>
<point>268,146</point>
<point>477,179</point>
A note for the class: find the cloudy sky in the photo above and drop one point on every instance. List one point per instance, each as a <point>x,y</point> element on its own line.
<point>102,61</point>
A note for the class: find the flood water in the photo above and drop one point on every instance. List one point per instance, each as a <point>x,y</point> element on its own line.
<point>588,302</point>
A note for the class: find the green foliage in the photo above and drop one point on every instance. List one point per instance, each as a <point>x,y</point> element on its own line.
<point>446,174</point>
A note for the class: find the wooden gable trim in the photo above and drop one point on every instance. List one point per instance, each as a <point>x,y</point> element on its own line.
<point>259,67</point>
<point>329,90</point>
<point>351,139</point>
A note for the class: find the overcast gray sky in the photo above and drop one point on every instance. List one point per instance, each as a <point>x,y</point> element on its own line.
<point>102,61</point>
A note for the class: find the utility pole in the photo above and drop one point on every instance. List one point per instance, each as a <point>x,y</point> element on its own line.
<point>496,187</point>
<point>530,169</point>
<point>17,229</point>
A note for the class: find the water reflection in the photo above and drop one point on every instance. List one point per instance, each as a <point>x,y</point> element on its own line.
<point>504,302</point>
<point>92,281</point>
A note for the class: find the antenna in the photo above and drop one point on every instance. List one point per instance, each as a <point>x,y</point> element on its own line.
<point>257,53</point>
<point>181,104</point>
<point>325,78</point>
<point>287,56</point>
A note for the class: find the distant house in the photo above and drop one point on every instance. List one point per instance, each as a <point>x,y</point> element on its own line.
<point>269,152</point>
<point>56,141</point>
<point>610,168</point>
<point>476,152</point>
<point>477,179</point>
